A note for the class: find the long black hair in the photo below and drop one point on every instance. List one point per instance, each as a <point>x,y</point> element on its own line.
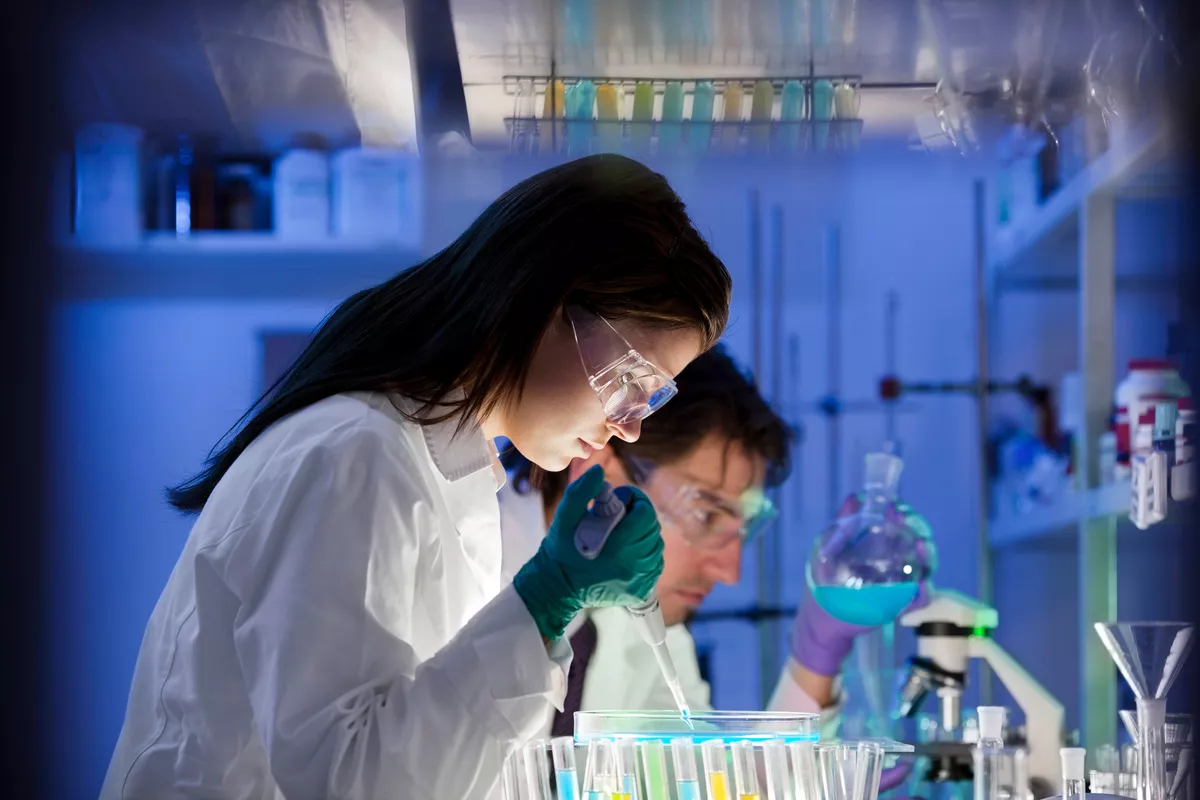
<point>603,232</point>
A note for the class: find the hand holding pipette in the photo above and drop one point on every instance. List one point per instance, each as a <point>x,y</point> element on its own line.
<point>590,538</point>
<point>573,570</point>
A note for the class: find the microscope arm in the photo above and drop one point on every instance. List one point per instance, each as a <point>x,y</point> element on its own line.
<point>1044,716</point>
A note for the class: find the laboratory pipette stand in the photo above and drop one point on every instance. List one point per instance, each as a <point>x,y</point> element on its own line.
<point>1149,656</point>
<point>608,510</point>
<point>946,642</point>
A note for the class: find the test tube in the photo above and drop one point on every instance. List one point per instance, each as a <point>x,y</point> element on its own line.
<point>745,770</point>
<point>580,99</point>
<point>1127,784</point>
<point>687,782</point>
<point>601,779</point>
<point>608,115</point>
<point>836,761</point>
<point>553,109</point>
<point>1072,772</point>
<point>733,115</point>
<point>510,776</point>
<point>562,750</point>
<point>791,112</point>
<point>671,126</point>
<point>643,116</point>
<point>868,768</point>
<point>804,771</point>
<point>654,768</point>
<point>713,751</point>
<point>700,132</point>
<point>845,108</point>
<point>761,107</point>
<point>626,770</point>
<point>537,772</point>
<point>822,112</point>
<point>775,769</point>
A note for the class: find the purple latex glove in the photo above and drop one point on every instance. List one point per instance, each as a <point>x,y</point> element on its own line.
<point>820,641</point>
<point>892,777</point>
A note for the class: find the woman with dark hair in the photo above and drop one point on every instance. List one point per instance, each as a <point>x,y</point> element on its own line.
<point>337,626</point>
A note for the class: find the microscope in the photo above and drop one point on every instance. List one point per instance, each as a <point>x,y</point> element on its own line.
<point>950,631</point>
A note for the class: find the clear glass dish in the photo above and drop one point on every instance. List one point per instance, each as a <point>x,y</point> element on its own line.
<point>667,725</point>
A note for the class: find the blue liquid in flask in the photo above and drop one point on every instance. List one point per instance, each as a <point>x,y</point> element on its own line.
<point>873,605</point>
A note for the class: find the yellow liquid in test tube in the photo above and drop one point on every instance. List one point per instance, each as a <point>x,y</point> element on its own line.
<point>733,116</point>
<point>718,786</point>
<point>608,108</point>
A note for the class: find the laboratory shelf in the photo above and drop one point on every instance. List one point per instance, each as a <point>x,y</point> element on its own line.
<point>1130,168</point>
<point>225,266</point>
<point>1067,511</point>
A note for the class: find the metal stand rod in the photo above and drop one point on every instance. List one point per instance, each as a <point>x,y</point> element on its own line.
<point>982,391</point>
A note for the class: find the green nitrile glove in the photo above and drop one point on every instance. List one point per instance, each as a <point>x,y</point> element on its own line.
<point>558,582</point>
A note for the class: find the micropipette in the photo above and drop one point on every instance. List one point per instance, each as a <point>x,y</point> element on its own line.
<point>590,536</point>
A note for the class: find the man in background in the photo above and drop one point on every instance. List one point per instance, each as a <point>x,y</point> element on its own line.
<point>705,460</point>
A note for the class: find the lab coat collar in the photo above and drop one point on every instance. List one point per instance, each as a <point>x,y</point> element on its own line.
<point>459,453</point>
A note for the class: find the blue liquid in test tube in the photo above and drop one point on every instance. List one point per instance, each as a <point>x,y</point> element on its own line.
<point>562,754</point>
<point>688,790</point>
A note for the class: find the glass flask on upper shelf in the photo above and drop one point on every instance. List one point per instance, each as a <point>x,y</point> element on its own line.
<point>867,566</point>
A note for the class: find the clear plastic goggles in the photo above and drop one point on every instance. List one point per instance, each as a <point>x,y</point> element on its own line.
<point>629,387</point>
<point>702,517</point>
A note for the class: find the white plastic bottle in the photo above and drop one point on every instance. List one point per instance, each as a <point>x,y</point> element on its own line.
<point>301,195</point>
<point>987,752</point>
<point>377,196</point>
<point>1149,381</point>
<point>108,196</point>
<point>1072,772</point>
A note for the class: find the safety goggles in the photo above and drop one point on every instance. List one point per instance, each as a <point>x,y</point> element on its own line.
<point>630,388</point>
<point>703,518</point>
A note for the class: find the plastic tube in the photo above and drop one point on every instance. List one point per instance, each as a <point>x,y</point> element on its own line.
<point>654,768</point>
<point>1072,772</point>
<point>670,129</point>
<point>714,769</point>
<point>868,769</point>
<point>745,770</point>
<point>775,769</point>
<point>804,771</point>
<point>1151,742</point>
<point>562,751</point>
<point>626,751</point>
<point>687,781</point>
<point>989,752</point>
<point>733,115</point>
<point>700,132</point>
<point>601,779</point>
<point>537,771</point>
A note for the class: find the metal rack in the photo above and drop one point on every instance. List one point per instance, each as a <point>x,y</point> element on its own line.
<point>529,131</point>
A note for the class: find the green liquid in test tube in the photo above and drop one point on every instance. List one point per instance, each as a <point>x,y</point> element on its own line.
<point>654,767</point>
<point>687,782</point>
<point>714,769</point>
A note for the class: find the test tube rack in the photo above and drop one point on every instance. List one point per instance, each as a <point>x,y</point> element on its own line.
<point>751,768</point>
<point>794,125</point>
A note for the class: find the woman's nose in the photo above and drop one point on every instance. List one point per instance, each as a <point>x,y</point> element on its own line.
<point>626,431</point>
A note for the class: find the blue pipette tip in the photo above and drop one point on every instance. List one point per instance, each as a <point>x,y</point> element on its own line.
<point>687,717</point>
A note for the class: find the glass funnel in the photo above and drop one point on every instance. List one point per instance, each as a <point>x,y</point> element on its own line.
<point>867,566</point>
<point>1149,656</point>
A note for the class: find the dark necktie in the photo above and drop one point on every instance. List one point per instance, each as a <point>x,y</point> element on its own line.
<point>583,643</point>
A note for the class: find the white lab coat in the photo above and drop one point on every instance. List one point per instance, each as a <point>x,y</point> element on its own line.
<point>337,626</point>
<point>623,674</point>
